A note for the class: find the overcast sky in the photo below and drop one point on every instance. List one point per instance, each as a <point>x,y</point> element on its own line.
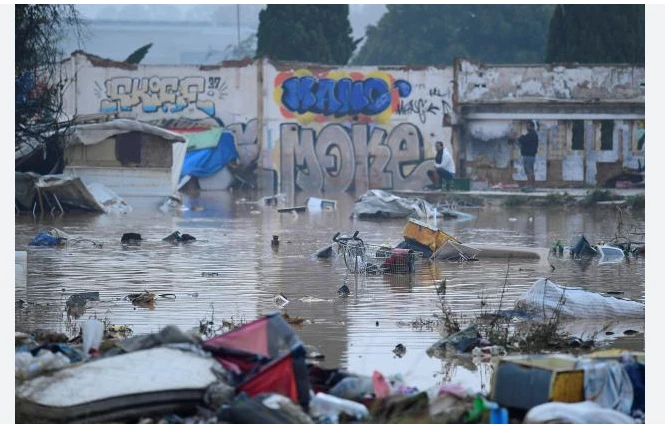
<point>361,15</point>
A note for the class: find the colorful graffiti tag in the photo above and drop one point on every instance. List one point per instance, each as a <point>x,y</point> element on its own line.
<point>307,97</point>
<point>165,94</point>
<point>342,158</point>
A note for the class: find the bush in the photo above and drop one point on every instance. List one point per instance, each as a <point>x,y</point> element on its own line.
<point>635,201</point>
<point>597,195</point>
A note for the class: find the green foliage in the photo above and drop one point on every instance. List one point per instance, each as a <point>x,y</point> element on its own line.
<point>430,34</point>
<point>635,201</point>
<point>138,55</point>
<point>38,29</point>
<point>558,199</point>
<point>597,33</point>
<point>317,33</point>
<point>516,200</point>
<point>597,195</point>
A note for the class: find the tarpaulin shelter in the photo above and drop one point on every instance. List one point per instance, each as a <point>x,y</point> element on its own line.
<point>208,152</point>
<point>264,356</point>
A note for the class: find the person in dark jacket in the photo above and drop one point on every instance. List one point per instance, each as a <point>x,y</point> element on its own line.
<point>529,147</point>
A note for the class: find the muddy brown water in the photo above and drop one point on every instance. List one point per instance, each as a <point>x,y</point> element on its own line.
<point>233,273</point>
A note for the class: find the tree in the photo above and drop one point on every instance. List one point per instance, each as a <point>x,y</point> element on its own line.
<point>139,54</point>
<point>430,34</point>
<point>595,33</point>
<point>318,33</point>
<point>38,91</point>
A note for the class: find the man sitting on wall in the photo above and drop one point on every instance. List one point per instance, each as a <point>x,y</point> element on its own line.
<point>444,167</point>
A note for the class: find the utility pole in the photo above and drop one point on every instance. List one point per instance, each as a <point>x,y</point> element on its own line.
<point>238,22</point>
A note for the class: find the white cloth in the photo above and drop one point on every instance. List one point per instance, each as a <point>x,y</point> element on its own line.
<point>447,162</point>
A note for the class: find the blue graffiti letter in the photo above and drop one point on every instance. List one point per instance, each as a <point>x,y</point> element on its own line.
<point>376,91</point>
<point>403,88</point>
<point>298,95</point>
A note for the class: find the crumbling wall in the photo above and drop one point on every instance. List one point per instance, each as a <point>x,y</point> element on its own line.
<point>500,83</point>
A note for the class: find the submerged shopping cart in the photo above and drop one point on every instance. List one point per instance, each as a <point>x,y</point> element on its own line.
<point>363,258</point>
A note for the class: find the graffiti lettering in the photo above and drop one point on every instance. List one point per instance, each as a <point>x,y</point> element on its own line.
<point>329,97</point>
<point>168,94</point>
<point>436,92</point>
<point>246,136</point>
<point>341,159</point>
<point>418,106</point>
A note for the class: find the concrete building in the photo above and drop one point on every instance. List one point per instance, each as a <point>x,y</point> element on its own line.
<point>323,128</point>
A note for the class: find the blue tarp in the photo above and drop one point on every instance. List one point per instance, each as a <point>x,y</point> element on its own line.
<point>206,162</point>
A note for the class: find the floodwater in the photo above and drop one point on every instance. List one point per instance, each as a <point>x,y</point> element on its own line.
<point>233,273</point>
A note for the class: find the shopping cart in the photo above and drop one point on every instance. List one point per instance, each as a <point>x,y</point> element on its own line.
<point>361,257</point>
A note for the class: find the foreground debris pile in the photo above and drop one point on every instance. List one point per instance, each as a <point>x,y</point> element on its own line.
<point>259,372</point>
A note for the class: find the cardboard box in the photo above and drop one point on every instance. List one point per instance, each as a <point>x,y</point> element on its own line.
<point>522,382</point>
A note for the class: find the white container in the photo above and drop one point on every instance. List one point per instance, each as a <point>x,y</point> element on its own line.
<point>323,404</point>
<point>20,269</point>
<point>93,332</point>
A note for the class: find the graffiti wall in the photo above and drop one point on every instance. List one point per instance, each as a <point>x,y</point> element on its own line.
<point>174,97</point>
<point>350,129</point>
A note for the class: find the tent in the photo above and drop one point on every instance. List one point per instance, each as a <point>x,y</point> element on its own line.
<point>264,356</point>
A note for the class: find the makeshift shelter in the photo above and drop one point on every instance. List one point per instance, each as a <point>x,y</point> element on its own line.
<point>264,356</point>
<point>208,155</point>
<point>131,158</point>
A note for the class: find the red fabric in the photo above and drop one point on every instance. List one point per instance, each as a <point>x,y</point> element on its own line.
<point>278,378</point>
<point>398,260</point>
<point>252,338</point>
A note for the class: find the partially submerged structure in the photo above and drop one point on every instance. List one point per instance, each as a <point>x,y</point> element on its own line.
<point>105,164</point>
<point>134,159</point>
<point>312,127</point>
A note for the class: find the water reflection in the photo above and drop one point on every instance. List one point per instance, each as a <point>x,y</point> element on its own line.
<point>232,273</point>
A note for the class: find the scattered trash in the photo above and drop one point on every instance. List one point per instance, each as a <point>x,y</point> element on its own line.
<point>274,199</point>
<point>429,240</point>
<point>329,406</point>
<point>361,257</point>
<point>583,412</point>
<point>297,209</point>
<point>550,378</point>
<point>317,204</point>
<point>546,297</point>
<point>81,299</point>
<point>144,298</point>
<point>325,252</point>
<point>49,238</point>
<point>176,237</point>
<point>463,341</point>
<point>488,351</point>
<point>260,372</point>
<point>131,239</point>
<point>93,332</point>
<point>281,300</point>
<point>399,350</point>
<point>292,320</point>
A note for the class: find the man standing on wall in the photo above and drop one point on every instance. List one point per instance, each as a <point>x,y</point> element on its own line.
<point>529,147</point>
<point>444,167</point>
